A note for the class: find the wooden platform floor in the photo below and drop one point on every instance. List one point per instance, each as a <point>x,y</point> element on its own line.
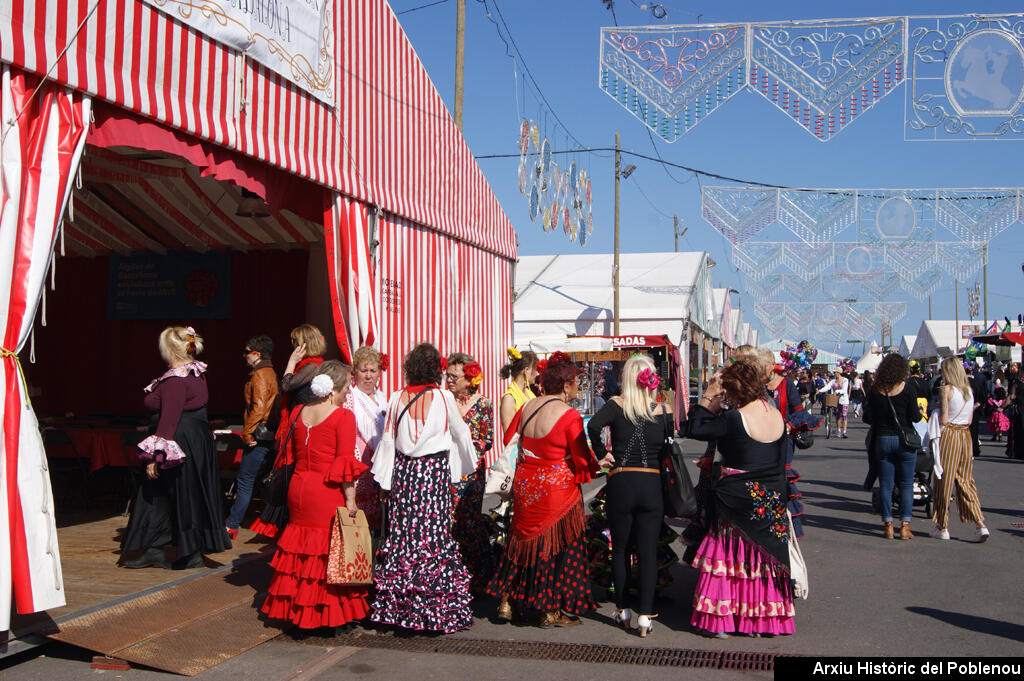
<point>89,551</point>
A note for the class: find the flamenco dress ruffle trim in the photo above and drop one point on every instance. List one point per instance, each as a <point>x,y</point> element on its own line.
<point>740,587</point>
<point>299,592</point>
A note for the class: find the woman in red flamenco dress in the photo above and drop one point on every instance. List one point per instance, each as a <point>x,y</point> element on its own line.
<point>322,447</point>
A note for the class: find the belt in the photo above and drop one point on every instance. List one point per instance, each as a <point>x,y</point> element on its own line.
<point>957,426</point>
<point>632,470</point>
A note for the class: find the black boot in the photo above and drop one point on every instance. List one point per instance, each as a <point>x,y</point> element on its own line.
<point>193,560</point>
<point>153,557</point>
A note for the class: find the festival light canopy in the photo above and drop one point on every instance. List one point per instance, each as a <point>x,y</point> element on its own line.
<point>965,74</point>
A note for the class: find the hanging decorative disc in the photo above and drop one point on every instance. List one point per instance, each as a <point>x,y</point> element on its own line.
<point>583,237</point>
<point>534,202</point>
<point>535,133</point>
<point>556,180</point>
<point>555,214</point>
<point>589,195</point>
<point>524,177</point>
<point>566,222</point>
<point>545,154</point>
<point>524,137</point>
<point>573,177</point>
<point>590,223</point>
<point>545,220</point>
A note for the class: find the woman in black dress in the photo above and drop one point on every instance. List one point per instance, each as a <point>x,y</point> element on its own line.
<point>1015,438</point>
<point>179,502</point>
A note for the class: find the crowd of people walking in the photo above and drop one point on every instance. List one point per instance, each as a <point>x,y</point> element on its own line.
<point>414,465</point>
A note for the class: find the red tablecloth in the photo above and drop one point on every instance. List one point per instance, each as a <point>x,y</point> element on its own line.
<point>102,446</point>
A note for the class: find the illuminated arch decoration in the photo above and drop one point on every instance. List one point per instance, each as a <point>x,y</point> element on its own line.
<point>757,260</point>
<point>739,213</point>
<point>807,261</point>
<point>824,74</point>
<point>923,285</point>
<point>978,215</point>
<point>673,77</point>
<point>966,78</point>
<point>894,216</point>
<point>763,289</point>
<point>960,260</point>
<point>816,217</point>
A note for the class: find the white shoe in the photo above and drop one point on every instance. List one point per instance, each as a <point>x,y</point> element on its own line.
<point>939,534</point>
<point>980,535</point>
<point>644,624</point>
<point>623,618</point>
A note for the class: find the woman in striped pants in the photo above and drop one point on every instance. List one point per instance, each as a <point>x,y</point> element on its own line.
<point>955,450</point>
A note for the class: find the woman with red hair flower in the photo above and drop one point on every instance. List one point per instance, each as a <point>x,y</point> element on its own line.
<point>544,567</point>
<point>471,528</point>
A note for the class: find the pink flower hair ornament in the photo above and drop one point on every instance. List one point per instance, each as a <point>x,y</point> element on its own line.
<point>648,380</point>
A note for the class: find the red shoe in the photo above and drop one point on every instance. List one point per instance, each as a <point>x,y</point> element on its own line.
<point>232,533</point>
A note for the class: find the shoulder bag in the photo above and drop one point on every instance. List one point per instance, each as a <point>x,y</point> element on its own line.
<point>909,438</point>
<point>677,494</point>
<point>503,471</point>
<point>275,484</point>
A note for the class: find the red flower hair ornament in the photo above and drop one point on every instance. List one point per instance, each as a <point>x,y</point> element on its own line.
<point>383,362</point>
<point>443,361</point>
<point>473,373</point>
<point>541,366</point>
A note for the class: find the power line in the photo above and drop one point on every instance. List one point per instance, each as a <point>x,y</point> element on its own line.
<point>413,9</point>
<point>637,154</point>
<point>663,166</point>
<point>529,74</point>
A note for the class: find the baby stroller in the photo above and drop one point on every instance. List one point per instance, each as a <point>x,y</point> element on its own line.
<point>922,486</point>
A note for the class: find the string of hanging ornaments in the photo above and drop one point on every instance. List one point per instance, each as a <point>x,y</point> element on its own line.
<point>561,197</point>
<point>965,72</point>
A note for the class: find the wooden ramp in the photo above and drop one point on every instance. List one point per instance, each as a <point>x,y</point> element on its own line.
<point>185,628</point>
<point>182,621</point>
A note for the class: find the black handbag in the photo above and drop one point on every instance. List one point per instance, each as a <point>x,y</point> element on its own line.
<point>803,439</point>
<point>678,497</point>
<point>909,439</point>
<point>275,484</point>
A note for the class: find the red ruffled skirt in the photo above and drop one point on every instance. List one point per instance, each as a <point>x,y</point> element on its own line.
<point>299,592</point>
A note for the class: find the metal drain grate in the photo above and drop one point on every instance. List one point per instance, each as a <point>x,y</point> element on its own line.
<point>567,652</point>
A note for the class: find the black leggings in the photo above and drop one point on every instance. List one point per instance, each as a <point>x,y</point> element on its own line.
<point>634,518</point>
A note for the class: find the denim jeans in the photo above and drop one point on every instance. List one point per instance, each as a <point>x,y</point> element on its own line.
<point>252,461</point>
<point>895,465</point>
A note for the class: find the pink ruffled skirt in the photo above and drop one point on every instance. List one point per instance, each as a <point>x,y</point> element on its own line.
<point>740,589</point>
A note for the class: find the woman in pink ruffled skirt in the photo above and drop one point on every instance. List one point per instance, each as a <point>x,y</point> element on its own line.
<point>744,584</point>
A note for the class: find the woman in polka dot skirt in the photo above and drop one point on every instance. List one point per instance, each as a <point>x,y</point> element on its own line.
<point>544,567</point>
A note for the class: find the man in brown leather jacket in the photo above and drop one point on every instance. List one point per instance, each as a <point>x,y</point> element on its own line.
<point>260,395</point>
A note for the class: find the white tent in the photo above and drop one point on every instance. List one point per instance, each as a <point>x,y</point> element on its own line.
<point>735,322</point>
<point>754,336</point>
<point>744,334</point>
<point>719,296</point>
<point>871,359</point>
<point>906,345</point>
<point>937,339</point>
<point>572,295</point>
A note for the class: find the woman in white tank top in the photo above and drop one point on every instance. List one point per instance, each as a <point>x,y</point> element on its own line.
<point>956,452</point>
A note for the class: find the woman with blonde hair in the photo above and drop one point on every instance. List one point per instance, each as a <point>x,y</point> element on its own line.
<point>323,450</point>
<point>956,408</point>
<point>752,356</point>
<point>369,405</point>
<point>308,348</point>
<point>179,501</point>
<point>639,426</point>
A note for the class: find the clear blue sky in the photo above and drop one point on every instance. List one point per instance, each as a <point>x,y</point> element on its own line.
<point>746,138</point>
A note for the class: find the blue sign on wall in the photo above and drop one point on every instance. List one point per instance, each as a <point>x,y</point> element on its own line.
<point>171,286</point>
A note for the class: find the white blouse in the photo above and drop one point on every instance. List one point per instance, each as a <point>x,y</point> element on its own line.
<point>443,430</point>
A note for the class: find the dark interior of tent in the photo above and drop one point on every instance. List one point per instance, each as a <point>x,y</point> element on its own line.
<point>165,229</point>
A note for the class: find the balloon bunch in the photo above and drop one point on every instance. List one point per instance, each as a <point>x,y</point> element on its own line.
<point>848,365</point>
<point>798,358</point>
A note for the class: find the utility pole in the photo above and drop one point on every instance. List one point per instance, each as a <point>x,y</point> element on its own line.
<point>929,308</point>
<point>675,230</point>
<point>956,316</point>
<point>615,262</point>
<point>984,279</point>
<point>460,58</point>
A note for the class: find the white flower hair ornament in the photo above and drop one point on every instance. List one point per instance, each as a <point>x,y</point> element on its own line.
<point>322,385</point>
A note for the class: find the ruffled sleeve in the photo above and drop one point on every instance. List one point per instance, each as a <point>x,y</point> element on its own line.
<point>161,447</point>
<point>584,465</point>
<point>345,467</point>
<point>462,457</point>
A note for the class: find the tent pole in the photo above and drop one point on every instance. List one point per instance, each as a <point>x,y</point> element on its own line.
<point>615,264</point>
<point>460,59</point>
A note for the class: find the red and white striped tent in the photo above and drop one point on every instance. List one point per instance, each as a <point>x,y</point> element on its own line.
<point>380,145</point>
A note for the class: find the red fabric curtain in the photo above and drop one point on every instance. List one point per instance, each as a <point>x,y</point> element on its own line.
<point>43,134</point>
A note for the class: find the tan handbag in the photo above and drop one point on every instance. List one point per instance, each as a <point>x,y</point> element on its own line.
<point>350,556</point>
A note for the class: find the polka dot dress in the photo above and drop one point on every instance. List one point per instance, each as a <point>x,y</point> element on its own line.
<point>422,584</point>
